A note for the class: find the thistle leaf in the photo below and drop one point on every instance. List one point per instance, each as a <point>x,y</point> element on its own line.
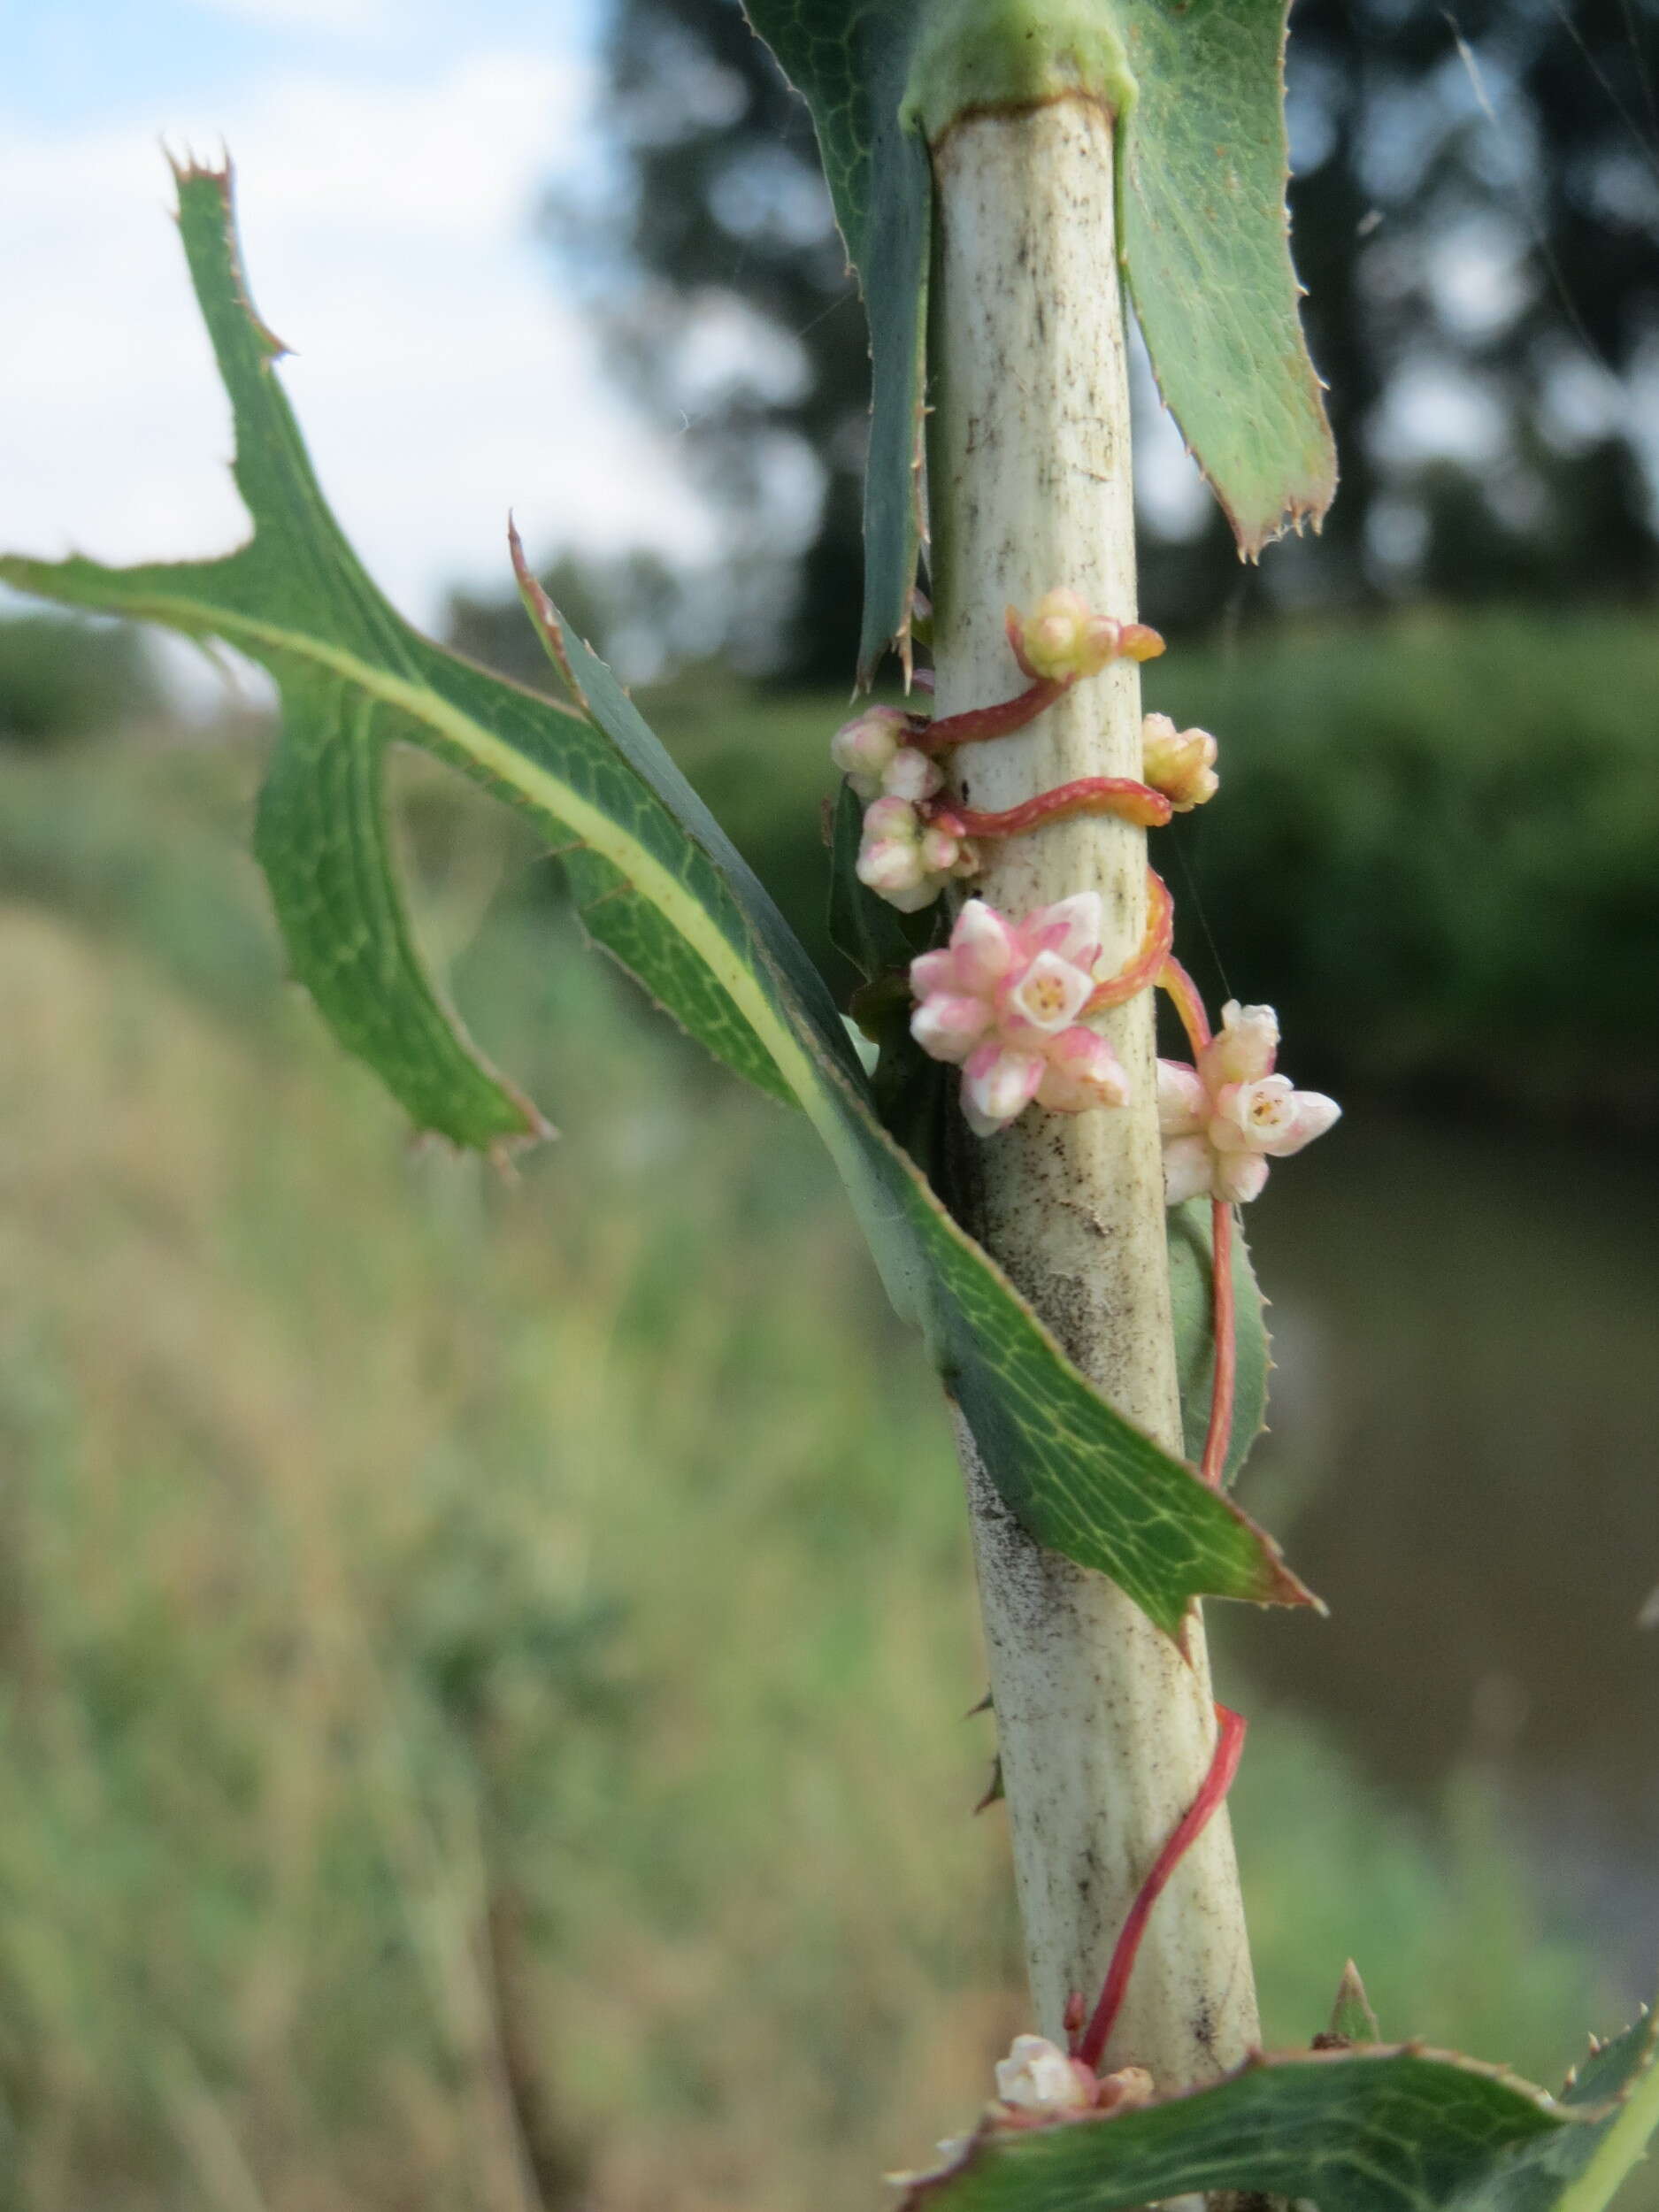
<point>661,887</point>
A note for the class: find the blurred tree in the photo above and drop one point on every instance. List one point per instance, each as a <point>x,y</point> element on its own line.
<point>723,286</point>
<point>1476,207</point>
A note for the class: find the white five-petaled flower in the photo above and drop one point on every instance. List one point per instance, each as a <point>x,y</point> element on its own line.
<point>1003,1002</point>
<point>1223,1120</point>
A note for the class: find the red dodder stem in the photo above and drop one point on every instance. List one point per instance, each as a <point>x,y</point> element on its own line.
<point>1218,1782</point>
<point>1122,795</point>
<point>979,723</point>
<point>1144,969</point>
<point>1183,993</point>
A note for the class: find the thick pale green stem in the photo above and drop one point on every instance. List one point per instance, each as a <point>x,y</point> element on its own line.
<point>1105,1730</point>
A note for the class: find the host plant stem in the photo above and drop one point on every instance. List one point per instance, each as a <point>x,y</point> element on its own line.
<point>1105,1731</point>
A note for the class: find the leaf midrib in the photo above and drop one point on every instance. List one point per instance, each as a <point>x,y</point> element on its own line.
<point>738,977</point>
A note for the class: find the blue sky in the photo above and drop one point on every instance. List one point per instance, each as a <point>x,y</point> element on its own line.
<point>390,156</point>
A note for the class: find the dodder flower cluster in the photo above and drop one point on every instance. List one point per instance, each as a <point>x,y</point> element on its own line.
<point>1002,1001</point>
<point>1008,1000</point>
<point>1223,1120</point>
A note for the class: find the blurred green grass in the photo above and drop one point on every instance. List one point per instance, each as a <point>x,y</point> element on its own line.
<point>482,1667</point>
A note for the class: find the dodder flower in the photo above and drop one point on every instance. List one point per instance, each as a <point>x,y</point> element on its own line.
<point>905,859</point>
<point>1063,639</point>
<point>1225,1119</point>
<point>903,856</point>
<point>1038,2077</point>
<point>1002,1001</point>
<point>865,749</point>
<point>1180,764</point>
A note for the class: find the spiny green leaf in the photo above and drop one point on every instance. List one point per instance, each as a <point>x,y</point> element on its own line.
<point>850,60</point>
<point>661,887</point>
<point>1206,244</point>
<point>1197,92</point>
<point>1192,1296</point>
<point>1617,2091</point>
<point>1376,2129</point>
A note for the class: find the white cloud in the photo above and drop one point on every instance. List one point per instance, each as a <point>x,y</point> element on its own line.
<point>438,375</point>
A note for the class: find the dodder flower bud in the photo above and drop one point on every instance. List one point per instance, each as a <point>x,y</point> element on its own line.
<point>1063,639</point>
<point>1037,2076</point>
<point>1180,764</point>
<point>864,748</point>
<point>907,861</point>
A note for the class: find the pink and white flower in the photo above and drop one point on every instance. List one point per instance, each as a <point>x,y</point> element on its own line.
<point>1003,1002</point>
<point>1225,1119</point>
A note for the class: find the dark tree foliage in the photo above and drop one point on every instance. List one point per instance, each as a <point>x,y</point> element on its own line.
<point>741,325</point>
<point>1476,213</point>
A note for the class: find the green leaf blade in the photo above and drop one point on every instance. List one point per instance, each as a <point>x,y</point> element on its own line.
<point>1378,2128</point>
<point>850,63</point>
<point>321,837</point>
<point>1192,1301</point>
<point>1206,246</point>
<point>1357,2131</point>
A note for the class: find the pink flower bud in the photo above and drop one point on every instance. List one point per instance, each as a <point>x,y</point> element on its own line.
<point>864,747</point>
<point>1073,927</point>
<point>1180,764</point>
<point>1244,1048</point>
<point>984,944</point>
<point>1183,1102</point>
<point>947,1026</point>
<point>1190,1169</point>
<point>889,855</point>
<point>1083,1070</point>
<point>905,860</point>
<point>998,1083</point>
<point>1240,1177</point>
